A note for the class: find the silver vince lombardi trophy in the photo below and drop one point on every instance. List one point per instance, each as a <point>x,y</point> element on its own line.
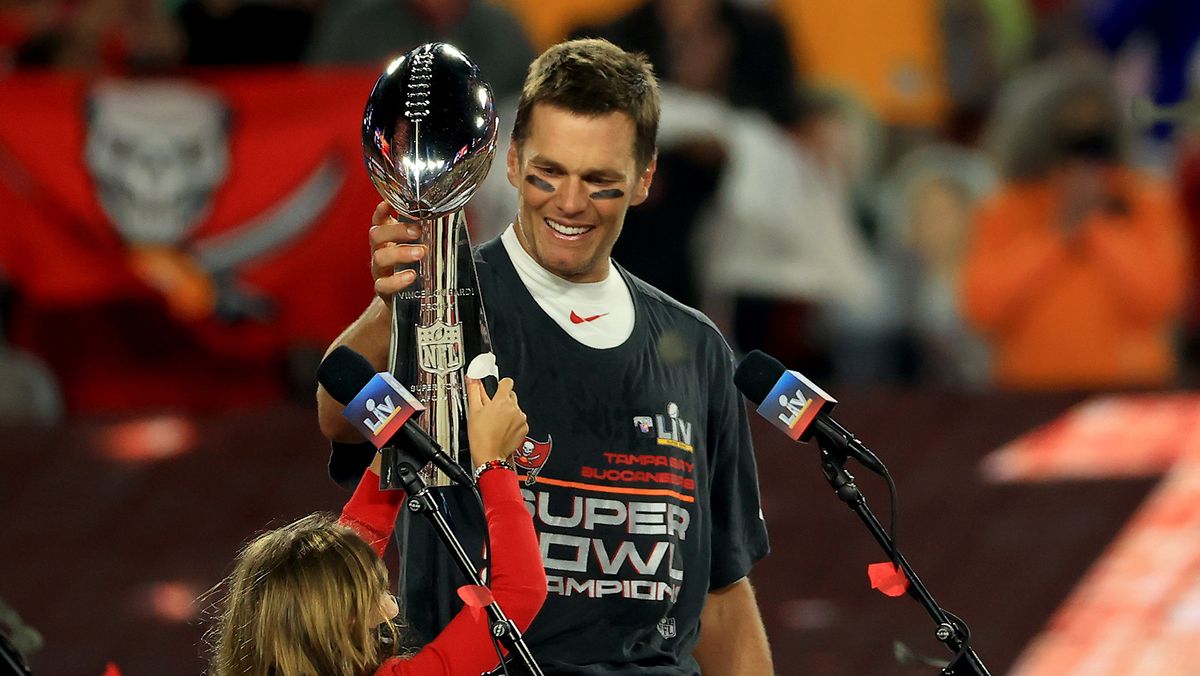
<point>428,136</point>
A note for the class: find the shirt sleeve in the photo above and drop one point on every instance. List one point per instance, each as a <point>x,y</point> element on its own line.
<point>372,512</point>
<point>518,584</point>
<point>1141,253</point>
<point>1012,257</point>
<point>348,461</point>
<point>739,534</point>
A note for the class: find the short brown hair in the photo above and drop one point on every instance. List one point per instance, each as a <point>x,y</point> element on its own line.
<point>594,77</point>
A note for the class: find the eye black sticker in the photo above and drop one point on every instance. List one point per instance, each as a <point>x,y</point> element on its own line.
<point>539,183</point>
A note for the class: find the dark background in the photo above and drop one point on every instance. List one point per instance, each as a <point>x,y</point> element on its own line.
<point>86,538</point>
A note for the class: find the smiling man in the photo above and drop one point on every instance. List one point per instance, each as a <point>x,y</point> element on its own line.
<point>577,175</point>
<point>638,467</point>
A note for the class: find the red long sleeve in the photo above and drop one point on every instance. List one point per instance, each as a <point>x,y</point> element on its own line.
<point>518,583</point>
<point>372,512</point>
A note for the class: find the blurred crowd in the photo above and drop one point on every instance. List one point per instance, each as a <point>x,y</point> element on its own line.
<point>950,193</point>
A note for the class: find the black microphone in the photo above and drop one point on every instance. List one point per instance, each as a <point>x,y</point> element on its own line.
<point>344,373</point>
<point>797,406</point>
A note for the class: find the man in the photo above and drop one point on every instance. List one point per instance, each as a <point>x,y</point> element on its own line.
<point>638,466</point>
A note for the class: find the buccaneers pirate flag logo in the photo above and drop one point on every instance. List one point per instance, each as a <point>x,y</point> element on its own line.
<point>203,233</point>
<point>531,456</point>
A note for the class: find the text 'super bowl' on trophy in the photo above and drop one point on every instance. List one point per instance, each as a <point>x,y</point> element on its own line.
<point>428,135</point>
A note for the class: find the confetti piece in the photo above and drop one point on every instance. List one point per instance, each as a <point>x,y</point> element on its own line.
<point>475,597</point>
<point>887,578</point>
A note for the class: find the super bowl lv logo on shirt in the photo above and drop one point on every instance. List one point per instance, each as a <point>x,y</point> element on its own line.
<point>618,530</point>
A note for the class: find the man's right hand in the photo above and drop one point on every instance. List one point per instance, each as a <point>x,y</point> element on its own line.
<point>393,243</point>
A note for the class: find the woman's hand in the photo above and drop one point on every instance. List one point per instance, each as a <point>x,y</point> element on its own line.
<point>496,425</point>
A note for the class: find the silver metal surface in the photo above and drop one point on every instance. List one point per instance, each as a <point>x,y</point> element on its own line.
<point>429,133</point>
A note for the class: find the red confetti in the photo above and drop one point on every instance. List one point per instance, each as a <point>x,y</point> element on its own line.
<point>475,597</point>
<point>887,578</point>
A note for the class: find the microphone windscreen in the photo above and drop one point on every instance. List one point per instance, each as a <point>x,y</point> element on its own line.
<point>756,374</point>
<point>343,374</point>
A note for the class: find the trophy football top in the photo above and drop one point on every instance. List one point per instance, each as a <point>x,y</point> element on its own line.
<point>429,131</point>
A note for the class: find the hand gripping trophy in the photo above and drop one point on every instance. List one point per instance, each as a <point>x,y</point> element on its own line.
<point>428,136</point>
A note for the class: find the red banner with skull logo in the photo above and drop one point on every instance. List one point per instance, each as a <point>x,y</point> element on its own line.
<point>185,243</point>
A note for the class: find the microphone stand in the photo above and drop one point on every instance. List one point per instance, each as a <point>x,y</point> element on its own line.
<point>835,443</point>
<point>11,661</point>
<point>423,501</point>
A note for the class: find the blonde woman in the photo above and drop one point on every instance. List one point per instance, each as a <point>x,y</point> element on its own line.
<point>312,598</point>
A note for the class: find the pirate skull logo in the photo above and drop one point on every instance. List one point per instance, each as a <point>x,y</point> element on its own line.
<point>532,455</point>
<point>156,151</point>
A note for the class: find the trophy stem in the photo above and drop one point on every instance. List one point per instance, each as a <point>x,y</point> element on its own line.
<point>393,337</point>
<point>438,326</point>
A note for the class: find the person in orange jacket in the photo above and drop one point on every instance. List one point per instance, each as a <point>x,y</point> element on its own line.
<point>1077,269</point>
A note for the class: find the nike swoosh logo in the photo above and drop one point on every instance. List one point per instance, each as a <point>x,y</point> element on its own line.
<point>576,319</point>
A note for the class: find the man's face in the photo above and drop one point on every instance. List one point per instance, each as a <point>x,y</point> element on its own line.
<point>576,176</point>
